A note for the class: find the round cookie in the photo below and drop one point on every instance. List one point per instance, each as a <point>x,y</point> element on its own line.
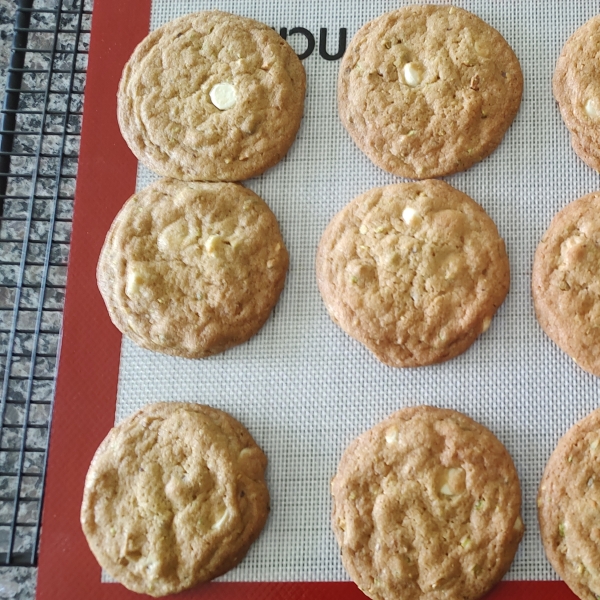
<point>426,91</point>
<point>191,269</point>
<point>568,501</point>
<point>175,495</point>
<point>577,90</point>
<point>414,271</point>
<point>566,290</point>
<point>211,96</point>
<point>426,505</point>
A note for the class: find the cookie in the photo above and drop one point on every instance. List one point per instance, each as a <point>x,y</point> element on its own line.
<point>568,502</point>
<point>565,286</point>
<point>175,495</point>
<point>191,269</point>
<point>426,91</point>
<point>426,504</point>
<point>577,90</point>
<point>413,271</point>
<point>211,96</point>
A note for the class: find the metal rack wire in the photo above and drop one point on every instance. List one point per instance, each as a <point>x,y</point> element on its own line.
<point>40,129</point>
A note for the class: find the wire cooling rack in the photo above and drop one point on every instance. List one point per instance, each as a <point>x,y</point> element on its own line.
<point>39,146</point>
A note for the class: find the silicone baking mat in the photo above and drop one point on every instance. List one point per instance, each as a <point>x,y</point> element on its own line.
<point>302,387</point>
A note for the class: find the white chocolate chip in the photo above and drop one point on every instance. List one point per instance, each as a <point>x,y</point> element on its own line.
<point>518,526</point>
<point>412,74</point>
<point>136,277</point>
<point>482,48</point>
<point>592,108</point>
<point>213,243</point>
<point>363,229</point>
<point>391,435</point>
<point>486,324</point>
<point>452,481</point>
<point>445,489</point>
<point>594,445</point>
<point>223,96</point>
<point>172,237</point>
<point>217,524</point>
<point>410,216</point>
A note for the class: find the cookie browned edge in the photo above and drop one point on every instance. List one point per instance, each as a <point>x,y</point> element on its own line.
<point>562,479</point>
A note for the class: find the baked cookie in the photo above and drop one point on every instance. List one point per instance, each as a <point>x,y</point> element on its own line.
<point>577,90</point>
<point>211,96</point>
<point>175,495</point>
<point>191,269</point>
<point>568,502</point>
<point>565,285</point>
<point>426,504</point>
<point>414,271</point>
<point>426,91</point>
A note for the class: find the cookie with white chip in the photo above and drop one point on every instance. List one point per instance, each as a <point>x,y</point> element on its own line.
<point>175,495</point>
<point>191,269</point>
<point>568,504</point>
<point>426,91</point>
<point>211,96</point>
<point>413,271</point>
<point>426,505</point>
<point>577,90</point>
<point>565,286</point>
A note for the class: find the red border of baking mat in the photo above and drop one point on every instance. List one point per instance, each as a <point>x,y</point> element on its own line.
<point>85,400</point>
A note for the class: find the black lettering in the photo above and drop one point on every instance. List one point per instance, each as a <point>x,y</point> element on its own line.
<point>283,33</point>
<point>323,45</point>
<point>310,39</point>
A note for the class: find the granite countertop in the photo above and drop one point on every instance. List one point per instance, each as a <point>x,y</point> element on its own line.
<point>17,583</point>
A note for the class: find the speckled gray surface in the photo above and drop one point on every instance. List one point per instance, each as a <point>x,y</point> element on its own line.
<point>18,583</point>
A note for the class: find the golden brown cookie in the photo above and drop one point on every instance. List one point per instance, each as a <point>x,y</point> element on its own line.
<point>191,269</point>
<point>211,96</point>
<point>565,285</point>
<point>577,90</point>
<point>175,495</point>
<point>414,271</point>
<point>426,505</point>
<point>569,505</point>
<point>426,91</point>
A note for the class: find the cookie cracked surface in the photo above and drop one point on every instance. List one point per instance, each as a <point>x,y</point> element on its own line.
<point>426,91</point>
<point>577,90</point>
<point>211,96</point>
<point>568,505</point>
<point>565,286</point>
<point>175,495</point>
<point>191,269</point>
<point>413,271</point>
<point>426,505</point>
